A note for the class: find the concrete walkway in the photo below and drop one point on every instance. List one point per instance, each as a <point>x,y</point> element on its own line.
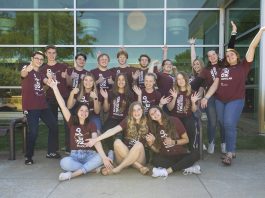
<point>245,178</point>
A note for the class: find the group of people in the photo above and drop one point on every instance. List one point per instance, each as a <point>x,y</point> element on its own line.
<point>126,116</point>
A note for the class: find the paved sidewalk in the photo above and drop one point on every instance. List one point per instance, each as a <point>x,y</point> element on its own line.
<point>245,178</point>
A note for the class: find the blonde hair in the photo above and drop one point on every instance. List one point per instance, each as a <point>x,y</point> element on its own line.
<point>187,84</point>
<point>134,132</point>
<point>82,91</point>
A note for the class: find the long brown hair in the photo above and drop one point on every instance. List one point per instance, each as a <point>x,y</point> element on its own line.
<point>169,126</point>
<point>134,130</point>
<point>187,84</point>
<point>82,90</point>
<point>201,64</point>
<point>127,92</point>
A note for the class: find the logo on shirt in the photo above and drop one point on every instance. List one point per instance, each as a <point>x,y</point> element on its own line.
<point>146,104</point>
<point>213,73</point>
<point>103,84</point>
<point>37,86</point>
<point>225,74</point>
<point>163,136</point>
<point>79,138</point>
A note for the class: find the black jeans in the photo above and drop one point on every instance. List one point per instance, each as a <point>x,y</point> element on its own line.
<point>53,105</point>
<point>47,117</point>
<point>189,124</point>
<point>176,162</point>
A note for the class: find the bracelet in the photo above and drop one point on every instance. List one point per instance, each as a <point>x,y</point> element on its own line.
<point>207,98</point>
<point>233,33</point>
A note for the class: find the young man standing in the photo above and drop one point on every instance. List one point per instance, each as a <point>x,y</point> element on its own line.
<point>58,72</point>
<point>77,73</point>
<point>138,76</point>
<point>35,107</point>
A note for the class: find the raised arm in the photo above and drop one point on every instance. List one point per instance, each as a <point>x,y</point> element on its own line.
<point>66,113</point>
<point>165,49</point>
<point>252,47</point>
<point>192,50</point>
<point>232,40</point>
<point>71,99</point>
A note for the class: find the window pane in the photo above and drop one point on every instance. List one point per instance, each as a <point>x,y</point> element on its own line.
<point>134,54</point>
<point>120,3</point>
<point>36,4</point>
<point>192,4</point>
<point>36,28</point>
<point>182,25</point>
<point>245,4</point>
<point>127,28</point>
<point>244,21</point>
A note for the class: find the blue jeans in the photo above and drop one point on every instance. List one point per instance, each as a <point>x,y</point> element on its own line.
<point>212,121</point>
<point>228,114</point>
<point>47,117</point>
<point>86,160</point>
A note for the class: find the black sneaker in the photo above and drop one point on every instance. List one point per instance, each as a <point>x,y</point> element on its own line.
<point>28,161</point>
<point>53,155</point>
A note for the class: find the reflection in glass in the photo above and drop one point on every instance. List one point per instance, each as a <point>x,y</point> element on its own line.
<point>192,4</point>
<point>182,25</point>
<point>120,4</point>
<point>244,21</point>
<point>36,4</point>
<point>36,28</point>
<point>128,28</point>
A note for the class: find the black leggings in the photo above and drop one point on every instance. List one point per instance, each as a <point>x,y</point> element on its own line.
<point>110,123</point>
<point>176,162</point>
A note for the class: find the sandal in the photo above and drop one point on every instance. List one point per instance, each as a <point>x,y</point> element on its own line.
<point>144,170</point>
<point>227,160</point>
<point>224,155</point>
<point>104,171</point>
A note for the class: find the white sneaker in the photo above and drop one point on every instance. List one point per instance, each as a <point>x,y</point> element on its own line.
<point>196,169</point>
<point>223,147</point>
<point>210,149</point>
<point>159,172</point>
<point>65,176</point>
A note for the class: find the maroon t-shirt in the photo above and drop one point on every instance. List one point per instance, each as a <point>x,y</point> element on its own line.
<point>132,140</point>
<point>79,134</point>
<point>33,96</point>
<point>127,71</point>
<point>140,80</point>
<point>150,99</point>
<point>106,75</point>
<point>90,102</point>
<point>165,83</point>
<point>209,74</point>
<point>57,70</point>
<point>118,106</point>
<point>175,149</point>
<point>76,76</point>
<point>232,82</point>
<point>182,106</point>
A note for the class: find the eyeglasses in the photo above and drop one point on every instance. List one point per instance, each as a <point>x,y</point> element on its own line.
<point>39,59</point>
